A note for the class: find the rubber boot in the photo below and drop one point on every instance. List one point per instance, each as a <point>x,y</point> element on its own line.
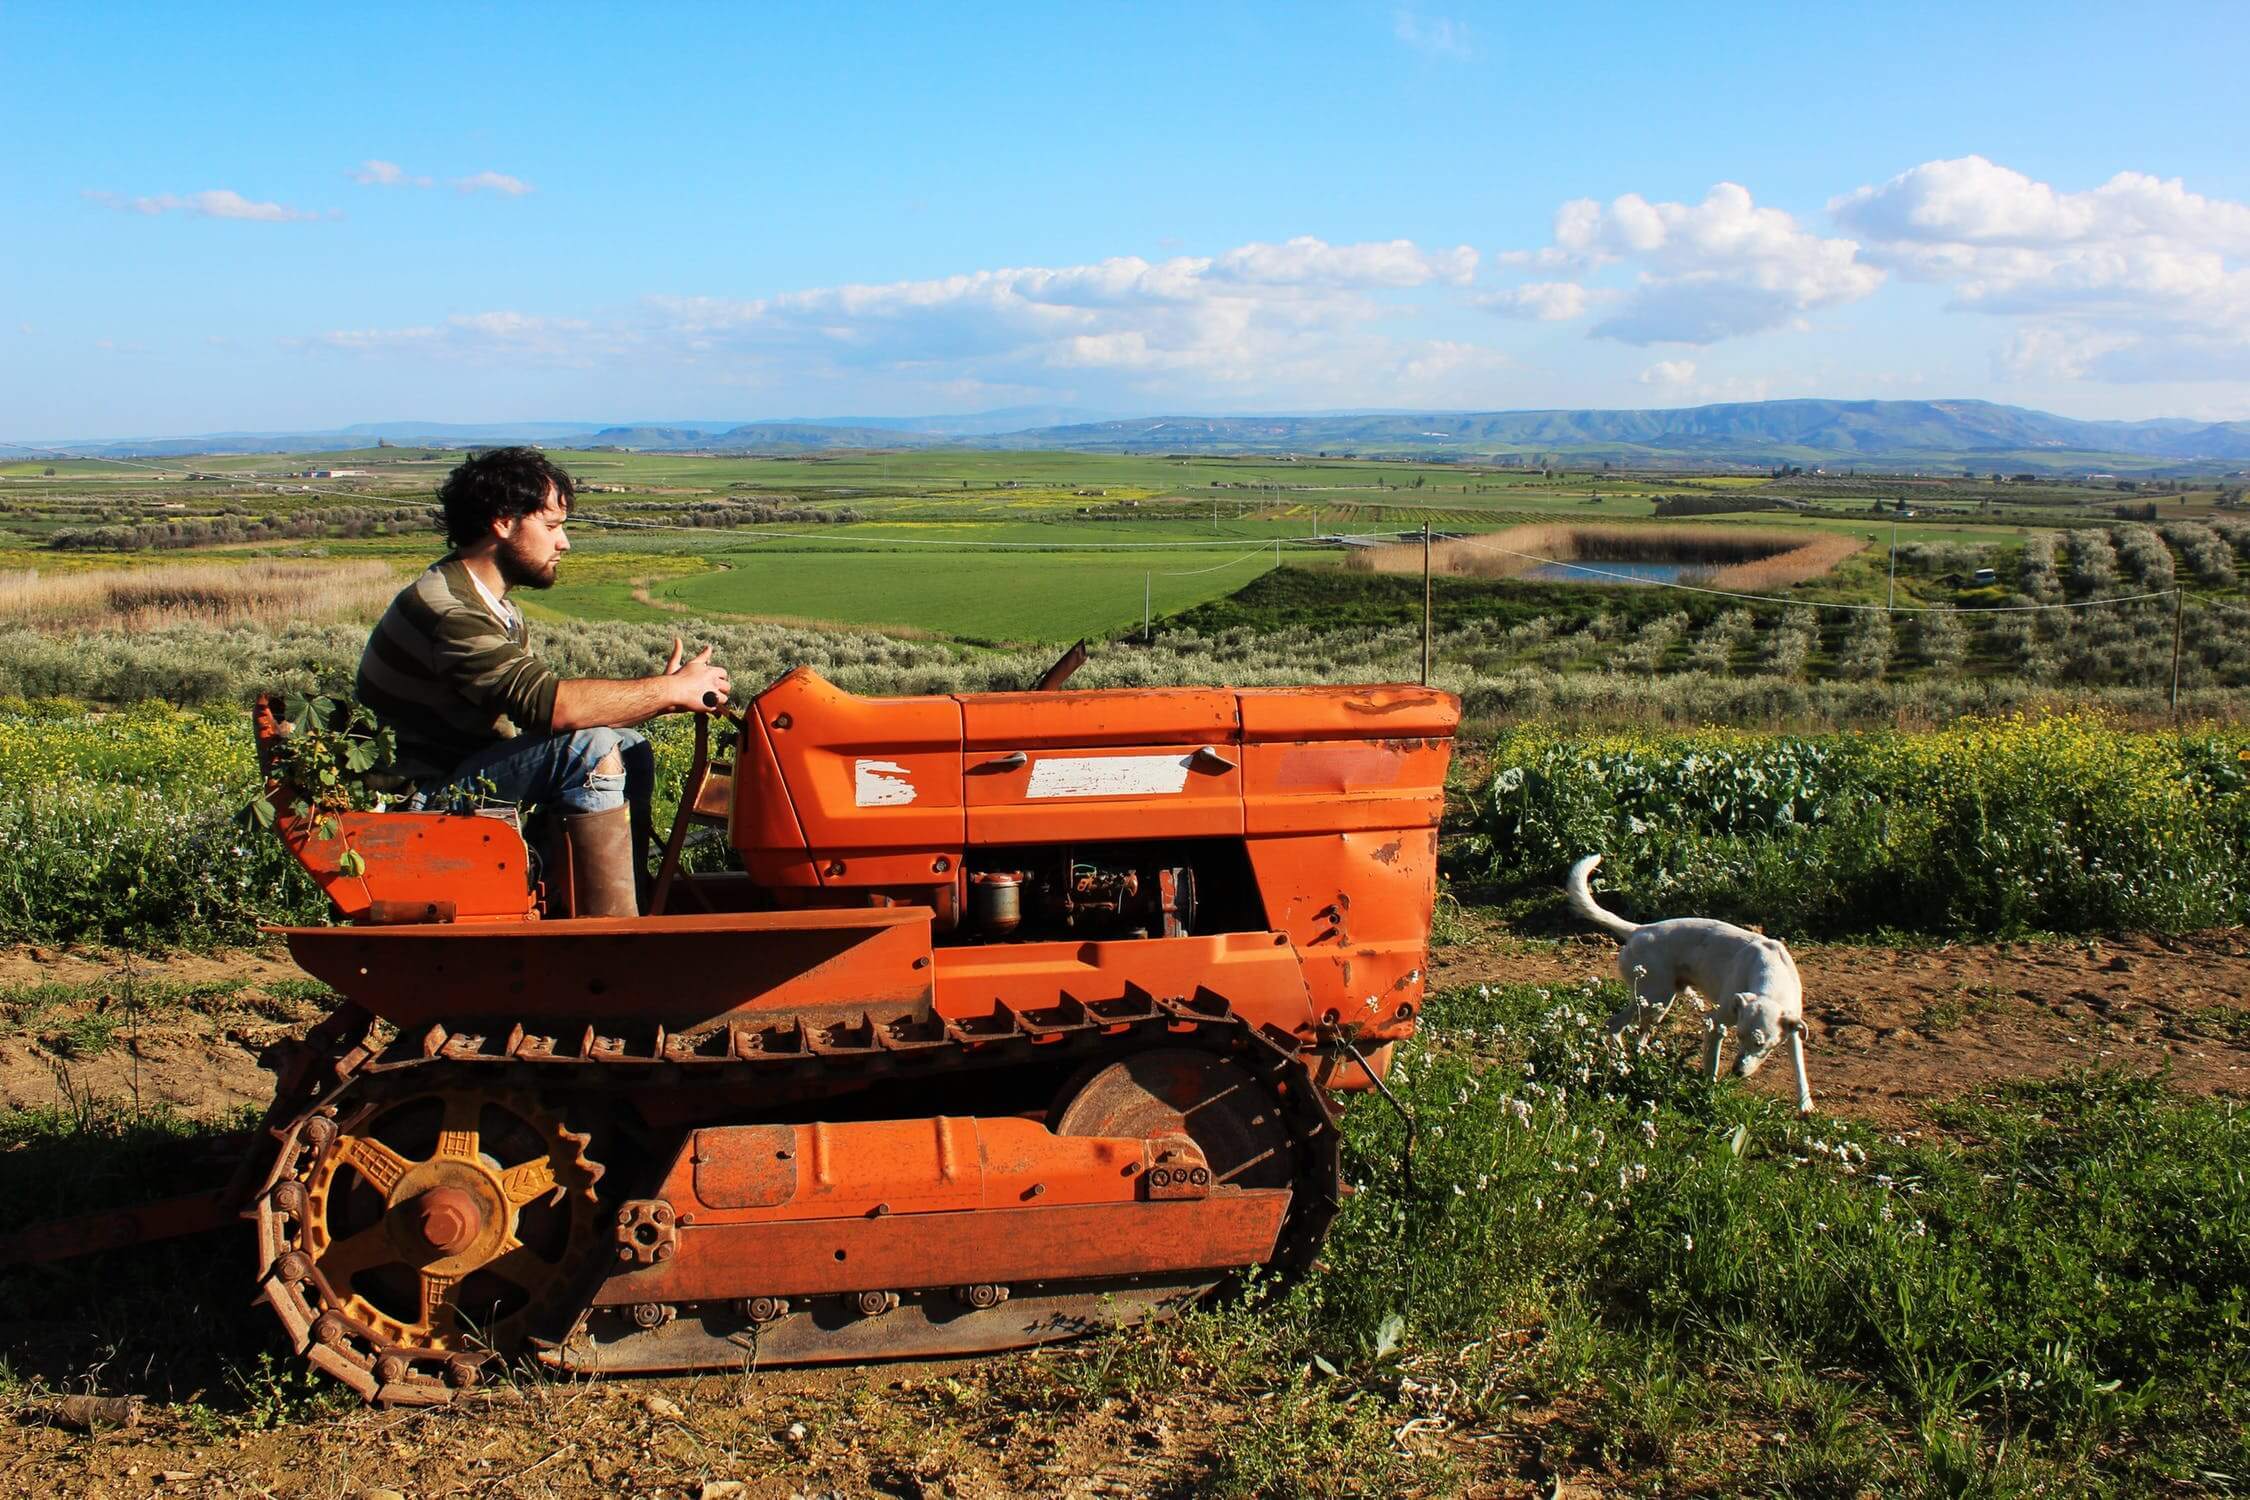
<point>601,864</point>
<point>644,839</point>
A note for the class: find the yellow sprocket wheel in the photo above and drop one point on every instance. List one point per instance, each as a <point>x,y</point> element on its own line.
<point>449,1221</point>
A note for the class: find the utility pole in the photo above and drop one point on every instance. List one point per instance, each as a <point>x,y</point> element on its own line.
<point>1148,581</point>
<point>1892,600</point>
<point>2179,604</point>
<point>1425,604</point>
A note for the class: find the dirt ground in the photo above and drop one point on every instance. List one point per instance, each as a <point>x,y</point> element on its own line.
<point>1888,1030</point>
<point>1891,1031</point>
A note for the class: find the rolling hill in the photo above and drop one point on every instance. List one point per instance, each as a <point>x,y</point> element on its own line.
<point>1891,435</point>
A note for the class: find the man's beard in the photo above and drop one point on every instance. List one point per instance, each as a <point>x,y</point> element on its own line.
<point>518,572</point>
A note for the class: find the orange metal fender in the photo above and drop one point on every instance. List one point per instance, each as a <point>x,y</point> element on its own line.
<point>416,867</point>
<point>677,972</point>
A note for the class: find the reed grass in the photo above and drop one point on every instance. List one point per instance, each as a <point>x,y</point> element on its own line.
<point>1730,557</point>
<point>134,600</point>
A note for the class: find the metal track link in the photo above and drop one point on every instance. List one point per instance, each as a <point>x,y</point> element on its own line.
<point>344,1056</point>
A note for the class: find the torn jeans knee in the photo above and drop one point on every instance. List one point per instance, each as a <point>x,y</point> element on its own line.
<point>558,770</point>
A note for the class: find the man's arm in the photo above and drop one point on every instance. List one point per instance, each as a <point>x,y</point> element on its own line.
<point>620,703</point>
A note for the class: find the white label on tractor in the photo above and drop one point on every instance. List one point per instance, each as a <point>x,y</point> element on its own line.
<point>880,783</point>
<point>1109,776</point>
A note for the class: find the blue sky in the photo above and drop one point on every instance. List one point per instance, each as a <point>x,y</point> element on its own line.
<point>265,218</point>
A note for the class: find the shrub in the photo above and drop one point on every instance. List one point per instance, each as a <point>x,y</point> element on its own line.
<point>2205,552</point>
<point>2093,562</point>
<point>2039,578</point>
<point>1866,651</point>
<point>1941,641</point>
<point>2144,555</point>
<point>1714,650</point>
<point>1790,644</point>
<point>2060,824</point>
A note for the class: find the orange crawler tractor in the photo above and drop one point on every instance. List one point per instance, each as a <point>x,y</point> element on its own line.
<point>1021,1016</point>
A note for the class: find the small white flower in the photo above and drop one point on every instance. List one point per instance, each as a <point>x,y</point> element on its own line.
<point>1688,1241</point>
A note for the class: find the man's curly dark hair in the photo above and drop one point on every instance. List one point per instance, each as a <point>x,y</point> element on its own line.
<point>495,485</point>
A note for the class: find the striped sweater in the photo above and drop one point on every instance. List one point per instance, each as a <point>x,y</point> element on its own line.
<point>450,676</point>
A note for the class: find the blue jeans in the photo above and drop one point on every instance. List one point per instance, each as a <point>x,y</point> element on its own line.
<point>557,770</point>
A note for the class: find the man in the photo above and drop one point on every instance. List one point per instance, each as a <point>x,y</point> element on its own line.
<point>448,669</point>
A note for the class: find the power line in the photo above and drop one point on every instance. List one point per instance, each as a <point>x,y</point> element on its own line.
<point>1258,551</point>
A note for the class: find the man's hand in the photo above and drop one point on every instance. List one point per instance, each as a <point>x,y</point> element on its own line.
<point>703,683</point>
<point>690,685</point>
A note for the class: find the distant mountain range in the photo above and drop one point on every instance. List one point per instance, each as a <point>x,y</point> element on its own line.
<point>1890,435</point>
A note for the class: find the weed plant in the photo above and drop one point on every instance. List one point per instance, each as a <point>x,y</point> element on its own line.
<point>1613,1266</point>
<point>2064,824</point>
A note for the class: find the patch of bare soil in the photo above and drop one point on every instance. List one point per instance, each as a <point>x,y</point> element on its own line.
<point>182,1032</point>
<point>1889,1030</point>
<point>902,1430</point>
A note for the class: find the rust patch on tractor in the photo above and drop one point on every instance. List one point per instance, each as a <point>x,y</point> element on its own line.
<point>1388,853</point>
<point>1413,699</point>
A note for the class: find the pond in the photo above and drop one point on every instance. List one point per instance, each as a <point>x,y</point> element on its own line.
<point>1616,572</point>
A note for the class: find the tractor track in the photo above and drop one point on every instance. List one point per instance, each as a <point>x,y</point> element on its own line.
<point>346,1068</point>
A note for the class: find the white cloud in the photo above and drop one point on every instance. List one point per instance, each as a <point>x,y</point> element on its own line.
<point>1544,301</point>
<point>1311,262</point>
<point>1439,36</point>
<point>1702,272</point>
<point>1668,372</point>
<point>212,203</point>
<point>377,173</point>
<point>2137,279</point>
<point>486,337</point>
<point>1298,320</point>
<point>1975,201</point>
<point>373,173</point>
<point>492,182</point>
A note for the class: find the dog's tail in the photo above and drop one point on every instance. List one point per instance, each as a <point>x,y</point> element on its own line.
<point>1582,900</point>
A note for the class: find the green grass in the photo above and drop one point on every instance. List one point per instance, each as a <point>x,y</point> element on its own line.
<point>2228,1021</point>
<point>1695,1292</point>
<point>1053,596</point>
<point>1605,1266</point>
<point>1970,1002</point>
<point>95,1008</point>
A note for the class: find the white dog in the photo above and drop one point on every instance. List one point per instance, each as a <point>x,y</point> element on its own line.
<point>1749,978</point>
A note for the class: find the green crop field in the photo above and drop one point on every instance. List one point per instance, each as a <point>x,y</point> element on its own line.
<point>1035,596</point>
